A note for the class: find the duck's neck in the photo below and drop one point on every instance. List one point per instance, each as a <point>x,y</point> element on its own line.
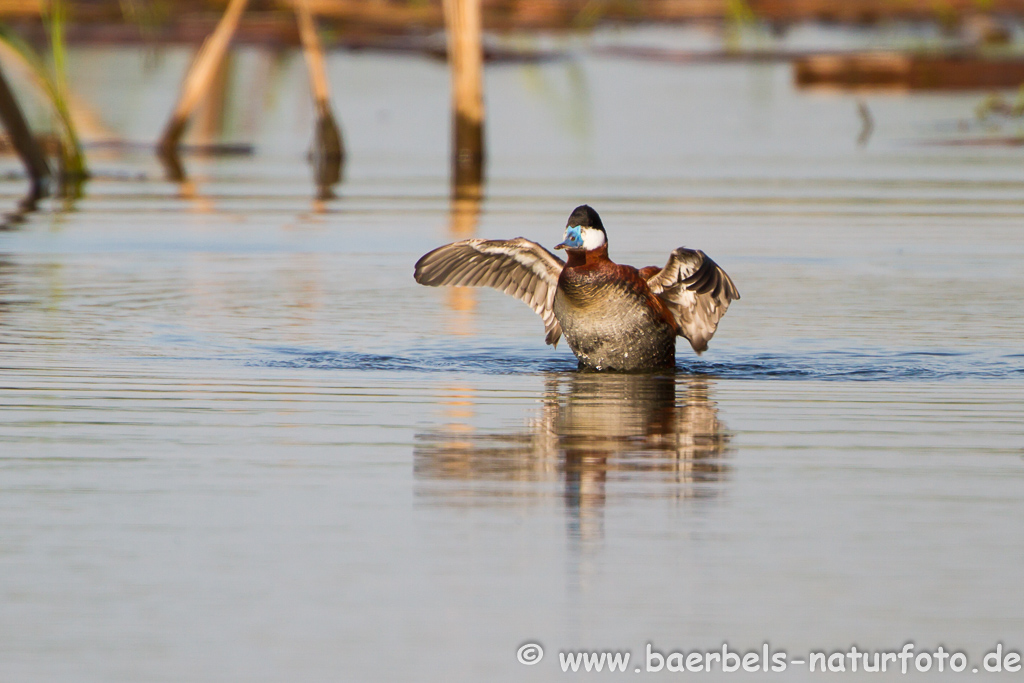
<point>579,257</point>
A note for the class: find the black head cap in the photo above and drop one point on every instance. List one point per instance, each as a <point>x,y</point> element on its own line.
<point>586,217</point>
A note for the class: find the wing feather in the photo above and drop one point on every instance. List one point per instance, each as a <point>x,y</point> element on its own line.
<point>519,267</point>
<point>697,291</point>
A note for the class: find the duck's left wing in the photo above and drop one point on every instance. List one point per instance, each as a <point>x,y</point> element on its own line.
<point>697,291</point>
<point>519,267</point>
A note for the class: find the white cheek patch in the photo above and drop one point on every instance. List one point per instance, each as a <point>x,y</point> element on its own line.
<point>592,238</point>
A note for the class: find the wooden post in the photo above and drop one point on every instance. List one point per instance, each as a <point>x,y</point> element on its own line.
<point>463,26</point>
<point>24,142</point>
<point>200,76</point>
<point>328,148</point>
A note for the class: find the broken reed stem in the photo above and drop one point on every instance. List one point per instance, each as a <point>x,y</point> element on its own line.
<point>463,27</point>
<point>24,142</point>
<point>313,52</point>
<point>201,75</point>
<point>328,147</point>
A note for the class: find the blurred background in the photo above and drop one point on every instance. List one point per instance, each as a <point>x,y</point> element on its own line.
<point>67,63</point>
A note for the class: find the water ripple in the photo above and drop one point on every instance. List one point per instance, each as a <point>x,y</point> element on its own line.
<point>921,365</point>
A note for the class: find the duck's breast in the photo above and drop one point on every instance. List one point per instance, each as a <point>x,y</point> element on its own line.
<point>608,320</point>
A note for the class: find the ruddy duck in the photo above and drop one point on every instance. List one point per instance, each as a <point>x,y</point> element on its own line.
<point>613,316</point>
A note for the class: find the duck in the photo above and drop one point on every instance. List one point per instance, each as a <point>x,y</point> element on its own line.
<point>614,317</point>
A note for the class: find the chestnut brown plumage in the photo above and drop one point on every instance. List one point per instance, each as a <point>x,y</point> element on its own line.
<point>613,316</point>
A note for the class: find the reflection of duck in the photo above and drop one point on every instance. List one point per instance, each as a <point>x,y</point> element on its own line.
<point>592,429</point>
<point>614,317</point>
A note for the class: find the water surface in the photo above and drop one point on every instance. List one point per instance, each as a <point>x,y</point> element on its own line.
<point>238,442</point>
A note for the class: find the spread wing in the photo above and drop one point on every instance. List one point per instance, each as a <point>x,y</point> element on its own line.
<point>697,291</point>
<point>519,267</point>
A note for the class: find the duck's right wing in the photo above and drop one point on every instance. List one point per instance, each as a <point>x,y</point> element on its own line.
<point>519,267</point>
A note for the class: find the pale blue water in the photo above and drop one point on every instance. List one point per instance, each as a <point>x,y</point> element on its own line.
<point>238,442</point>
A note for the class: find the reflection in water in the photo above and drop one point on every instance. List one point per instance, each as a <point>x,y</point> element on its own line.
<point>27,205</point>
<point>171,161</point>
<point>464,214</point>
<point>327,154</point>
<point>7,290</point>
<point>640,435</point>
